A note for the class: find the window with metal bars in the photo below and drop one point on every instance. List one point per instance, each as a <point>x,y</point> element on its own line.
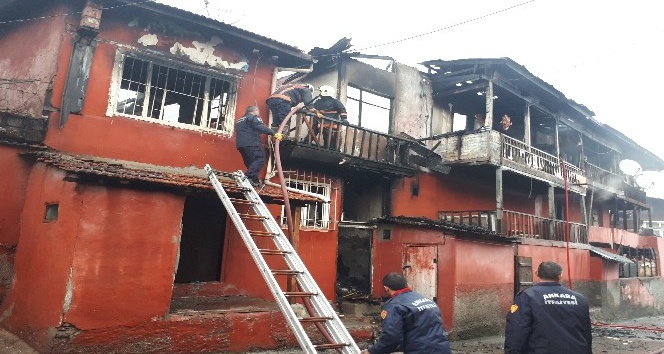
<point>312,216</point>
<point>154,91</point>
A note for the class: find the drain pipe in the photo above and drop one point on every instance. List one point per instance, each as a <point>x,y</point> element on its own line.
<point>271,172</point>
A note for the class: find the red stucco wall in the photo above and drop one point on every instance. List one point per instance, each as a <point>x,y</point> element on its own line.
<point>457,193</point>
<point>388,256</point>
<point>107,260</point>
<point>13,179</point>
<point>318,251</point>
<point>125,256</point>
<point>603,270</point>
<point>28,51</point>
<point>579,260</point>
<point>93,133</point>
<point>616,236</point>
<point>484,287</point>
<point>465,269</point>
<point>44,257</point>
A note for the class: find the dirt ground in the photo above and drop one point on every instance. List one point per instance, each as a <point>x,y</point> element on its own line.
<point>638,336</point>
<point>609,340</point>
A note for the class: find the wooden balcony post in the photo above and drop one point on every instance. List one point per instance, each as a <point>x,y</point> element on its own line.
<point>526,124</point>
<point>584,215</point>
<point>499,199</point>
<point>552,210</point>
<point>489,104</point>
<point>557,138</point>
<point>635,219</point>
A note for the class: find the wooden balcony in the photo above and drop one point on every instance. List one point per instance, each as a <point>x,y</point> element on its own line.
<point>494,148</point>
<point>614,183</point>
<point>328,141</point>
<point>515,224</point>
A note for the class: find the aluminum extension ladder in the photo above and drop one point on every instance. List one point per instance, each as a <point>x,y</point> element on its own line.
<point>325,318</point>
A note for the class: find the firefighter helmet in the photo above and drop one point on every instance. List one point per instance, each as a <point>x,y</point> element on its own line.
<point>308,87</point>
<point>326,90</point>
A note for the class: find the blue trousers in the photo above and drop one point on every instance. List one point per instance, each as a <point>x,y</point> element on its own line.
<point>254,158</point>
<point>279,108</point>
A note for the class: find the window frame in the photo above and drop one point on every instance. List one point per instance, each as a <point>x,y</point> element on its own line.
<point>326,221</point>
<point>226,127</point>
<point>360,101</point>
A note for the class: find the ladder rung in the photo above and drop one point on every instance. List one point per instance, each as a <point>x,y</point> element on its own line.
<point>314,319</point>
<point>298,294</point>
<point>330,346</point>
<point>252,217</point>
<point>262,233</point>
<point>273,252</point>
<point>242,201</point>
<point>286,272</point>
<point>237,189</point>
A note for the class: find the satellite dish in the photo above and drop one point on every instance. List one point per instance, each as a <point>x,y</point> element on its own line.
<point>629,167</point>
<point>644,180</point>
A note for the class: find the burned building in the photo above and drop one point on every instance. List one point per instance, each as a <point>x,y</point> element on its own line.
<point>464,176</point>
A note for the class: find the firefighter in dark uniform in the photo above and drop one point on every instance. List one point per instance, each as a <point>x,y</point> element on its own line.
<point>285,98</point>
<point>411,322</point>
<point>248,130</point>
<point>334,114</point>
<point>548,318</point>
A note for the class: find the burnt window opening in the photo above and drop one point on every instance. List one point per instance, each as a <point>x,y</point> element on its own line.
<point>354,264</point>
<point>173,96</point>
<point>368,110</point>
<point>387,235</point>
<point>459,122</point>
<point>415,188</point>
<point>51,212</point>
<point>366,197</point>
<point>645,263</point>
<point>202,240</point>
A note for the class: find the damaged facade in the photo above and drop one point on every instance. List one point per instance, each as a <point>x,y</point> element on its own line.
<point>112,239</point>
<point>111,233</point>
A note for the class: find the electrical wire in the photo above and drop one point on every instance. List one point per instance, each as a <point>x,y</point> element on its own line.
<point>448,27</point>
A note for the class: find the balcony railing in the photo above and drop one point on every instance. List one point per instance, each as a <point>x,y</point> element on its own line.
<point>528,156</point>
<point>602,176</point>
<point>517,224</point>
<point>353,141</point>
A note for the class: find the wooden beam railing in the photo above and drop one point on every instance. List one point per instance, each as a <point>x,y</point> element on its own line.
<point>523,154</point>
<point>516,224</point>
<point>600,175</point>
<point>340,137</point>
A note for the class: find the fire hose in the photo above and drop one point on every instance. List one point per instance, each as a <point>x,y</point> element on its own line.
<point>289,220</point>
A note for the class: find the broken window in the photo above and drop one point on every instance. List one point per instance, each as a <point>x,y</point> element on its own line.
<point>315,215</point>
<point>459,122</point>
<point>154,91</point>
<point>645,263</point>
<point>368,110</point>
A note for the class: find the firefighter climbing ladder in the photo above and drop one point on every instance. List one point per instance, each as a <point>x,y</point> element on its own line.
<point>323,316</point>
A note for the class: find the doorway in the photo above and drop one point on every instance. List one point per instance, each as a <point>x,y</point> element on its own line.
<point>202,240</point>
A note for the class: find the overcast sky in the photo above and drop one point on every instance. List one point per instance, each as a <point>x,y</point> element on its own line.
<point>602,54</point>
